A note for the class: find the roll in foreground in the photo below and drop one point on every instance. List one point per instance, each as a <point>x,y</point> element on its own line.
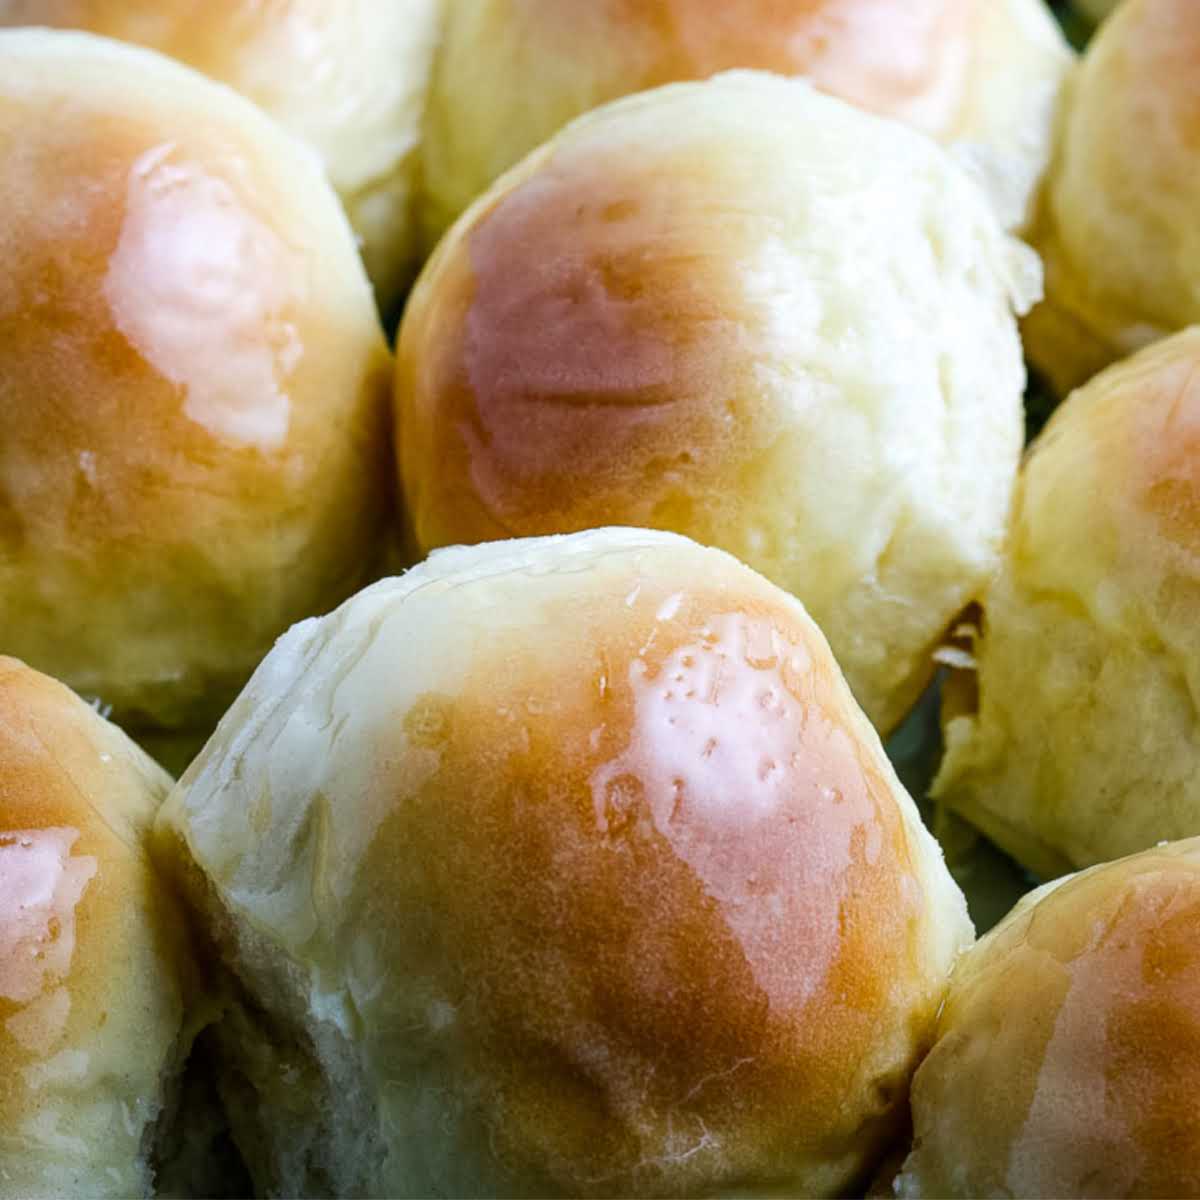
<point>557,867</point>
<point>1083,743</point>
<point>749,313</point>
<point>984,74</point>
<point>94,969</point>
<point>347,77</point>
<point>193,382</point>
<point>1118,222</point>
<point>1068,1054</point>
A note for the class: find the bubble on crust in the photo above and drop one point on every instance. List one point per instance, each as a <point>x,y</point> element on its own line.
<point>669,607</point>
<point>731,760</point>
<point>41,884</point>
<point>87,466</point>
<point>200,287</point>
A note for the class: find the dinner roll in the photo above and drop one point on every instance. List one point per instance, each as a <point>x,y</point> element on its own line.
<point>1118,227</point>
<point>94,970</point>
<point>347,77</point>
<point>1083,742</point>
<point>563,867</point>
<point>745,312</point>
<point>1067,1060</point>
<point>193,381</point>
<point>511,73</point>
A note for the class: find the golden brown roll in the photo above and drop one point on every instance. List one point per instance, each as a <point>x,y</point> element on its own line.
<point>984,74</point>
<point>564,866</point>
<point>1083,742</point>
<point>193,382</point>
<point>1118,216</point>
<point>750,313</point>
<point>94,969</point>
<point>1068,1053</point>
<point>347,77</point>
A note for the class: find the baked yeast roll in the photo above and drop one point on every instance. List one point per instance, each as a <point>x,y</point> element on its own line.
<point>511,73</point>
<point>348,77</point>
<point>93,968</point>
<point>1118,226</point>
<point>563,867</point>
<point>193,382</point>
<point>746,312</point>
<point>1068,1053</point>
<point>1083,742</point>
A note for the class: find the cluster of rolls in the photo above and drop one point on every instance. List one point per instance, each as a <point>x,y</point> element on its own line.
<point>1074,737</point>
<point>569,861</point>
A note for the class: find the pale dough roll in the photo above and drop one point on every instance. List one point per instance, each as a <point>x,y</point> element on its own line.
<point>1118,225</point>
<point>347,77</point>
<point>99,995</point>
<point>193,381</point>
<point>511,73</point>
<point>1068,1052</point>
<point>750,313</point>
<point>1083,742</point>
<point>564,866</point>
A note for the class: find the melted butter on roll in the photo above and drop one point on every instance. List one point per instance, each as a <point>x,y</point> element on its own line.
<point>193,381</point>
<point>1067,1054</point>
<point>346,77</point>
<point>564,866</point>
<point>99,995</point>
<point>749,313</point>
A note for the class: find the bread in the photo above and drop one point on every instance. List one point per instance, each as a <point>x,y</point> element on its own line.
<point>564,866</point>
<point>1068,1053</point>
<point>1123,178</point>
<point>96,977</point>
<point>511,73</point>
<point>193,381</point>
<point>745,312</point>
<point>1083,742</point>
<point>347,78</point>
